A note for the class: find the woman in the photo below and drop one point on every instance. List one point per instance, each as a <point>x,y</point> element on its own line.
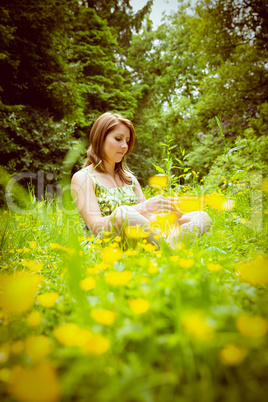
<point>108,196</point>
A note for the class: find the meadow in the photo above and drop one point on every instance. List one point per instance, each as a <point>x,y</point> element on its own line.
<point>85,318</point>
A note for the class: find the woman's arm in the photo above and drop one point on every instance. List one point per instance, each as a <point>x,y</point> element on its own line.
<point>82,191</point>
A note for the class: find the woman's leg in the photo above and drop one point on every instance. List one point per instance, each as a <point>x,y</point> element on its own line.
<point>124,216</point>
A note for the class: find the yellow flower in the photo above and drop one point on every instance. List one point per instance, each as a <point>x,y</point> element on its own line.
<point>17,292</point>
<point>34,319</point>
<point>131,252</point>
<point>254,271</point>
<point>47,299</point>
<point>39,383</point>
<point>163,222</point>
<point>158,182</point>
<point>37,347</point>
<point>149,247</point>
<point>265,185</point>
<point>232,355</point>
<point>118,278</point>
<point>139,306</point>
<point>104,317</point>
<point>186,262</point>
<point>186,204</point>
<point>252,327</point>
<point>117,239</point>
<point>196,325</point>
<point>96,345</point>
<point>71,335</point>
<point>219,202</point>
<point>88,283</point>
<point>33,265</point>
<point>136,232</point>
<point>214,267</point>
<point>101,266</point>
<point>153,268</point>
<point>111,255</point>
<point>32,244</point>
<point>174,258</point>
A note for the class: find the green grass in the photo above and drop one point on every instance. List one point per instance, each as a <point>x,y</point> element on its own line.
<point>187,346</point>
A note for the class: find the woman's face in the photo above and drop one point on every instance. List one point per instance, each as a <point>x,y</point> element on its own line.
<point>116,143</point>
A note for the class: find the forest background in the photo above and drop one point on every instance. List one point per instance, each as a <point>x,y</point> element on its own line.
<point>63,63</point>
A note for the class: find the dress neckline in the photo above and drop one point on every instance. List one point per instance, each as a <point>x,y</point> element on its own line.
<point>110,188</point>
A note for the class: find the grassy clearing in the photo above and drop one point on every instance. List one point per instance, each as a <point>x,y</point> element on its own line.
<point>89,319</point>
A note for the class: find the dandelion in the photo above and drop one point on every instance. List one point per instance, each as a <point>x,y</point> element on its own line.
<point>104,317</point>
<point>139,306</point>
<point>117,239</point>
<point>101,266</point>
<point>34,319</point>
<point>118,278</point>
<point>251,327</point>
<point>33,265</point>
<point>88,283</point>
<point>254,271</point>
<point>232,355</point>
<point>47,299</point>
<point>111,255</point>
<point>37,347</point>
<point>158,182</point>
<point>136,232</point>
<point>174,258</point>
<point>17,292</point>
<point>214,267</point>
<point>39,383</point>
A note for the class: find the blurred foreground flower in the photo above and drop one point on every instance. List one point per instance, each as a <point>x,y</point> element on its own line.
<point>252,326</point>
<point>196,326</point>
<point>214,267</point>
<point>104,317</point>
<point>163,223</point>
<point>37,347</point>
<point>34,319</point>
<point>158,182</point>
<point>35,384</point>
<point>17,291</point>
<point>232,355</point>
<point>186,204</point>
<point>219,202</point>
<point>48,299</point>
<point>71,335</point>
<point>254,271</point>
<point>111,255</point>
<point>139,306</point>
<point>116,278</point>
<point>32,265</point>
<point>186,262</point>
<point>136,232</point>
<point>88,283</point>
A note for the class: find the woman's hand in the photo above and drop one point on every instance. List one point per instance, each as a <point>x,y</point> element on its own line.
<point>159,204</point>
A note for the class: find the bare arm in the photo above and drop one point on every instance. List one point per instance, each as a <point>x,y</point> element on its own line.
<point>82,190</point>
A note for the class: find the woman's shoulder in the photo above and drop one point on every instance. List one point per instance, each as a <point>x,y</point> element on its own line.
<point>82,174</point>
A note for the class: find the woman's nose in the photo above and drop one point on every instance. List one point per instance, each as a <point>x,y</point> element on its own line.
<point>125,144</point>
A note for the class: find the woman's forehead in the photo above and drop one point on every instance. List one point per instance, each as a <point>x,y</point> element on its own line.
<point>122,129</point>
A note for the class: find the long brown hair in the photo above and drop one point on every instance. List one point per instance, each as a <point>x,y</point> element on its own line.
<point>102,126</point>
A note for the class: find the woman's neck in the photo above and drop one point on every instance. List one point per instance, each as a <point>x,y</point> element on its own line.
<point>110,168</point>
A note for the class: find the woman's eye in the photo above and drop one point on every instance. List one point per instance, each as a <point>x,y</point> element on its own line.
<point>118,139</point>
